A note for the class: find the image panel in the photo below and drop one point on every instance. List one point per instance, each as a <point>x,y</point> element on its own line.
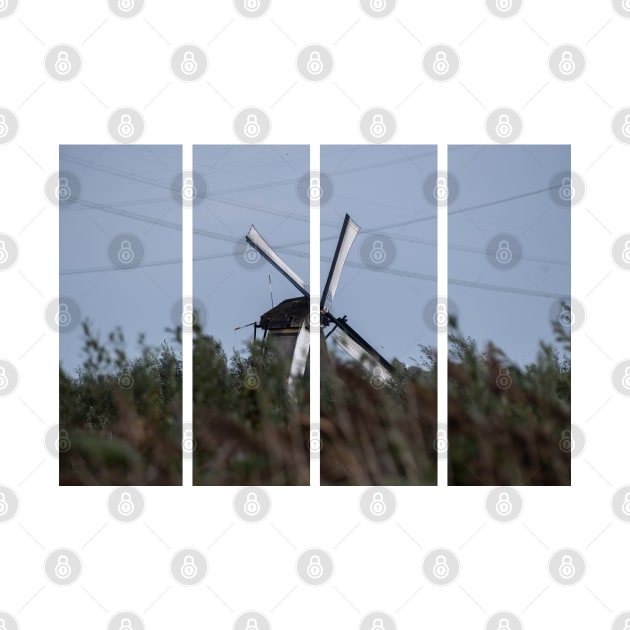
<point>510,314</point>
<point>250,315</point>
<point>378,209</point>
<point>120,285</point>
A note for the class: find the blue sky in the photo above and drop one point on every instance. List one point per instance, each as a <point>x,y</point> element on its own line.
<point>537,220</point>
<point>129,190</point>
<point>121,180</point>
<point>247,185</point>
<point>382,188</point>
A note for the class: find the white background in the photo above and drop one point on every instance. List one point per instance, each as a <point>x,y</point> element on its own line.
<point>252,63</point>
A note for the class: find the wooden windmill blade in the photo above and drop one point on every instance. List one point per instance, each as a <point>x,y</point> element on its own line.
<point>360,350</point>
<point>266,251</point>
<point>349,231</point>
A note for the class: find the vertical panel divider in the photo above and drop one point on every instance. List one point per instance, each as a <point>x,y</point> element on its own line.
<point>315,375</point>
<point>187,338</point>
<point>442,338</point>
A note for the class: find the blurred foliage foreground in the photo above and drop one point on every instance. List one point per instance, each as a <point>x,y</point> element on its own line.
<point>507,425</point>
<point>120,420</point>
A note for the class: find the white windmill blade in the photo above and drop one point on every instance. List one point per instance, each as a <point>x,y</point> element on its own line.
<point>361,354</point>
<point>300,354</point>
<point>264,249</point>
<point>349,232</point>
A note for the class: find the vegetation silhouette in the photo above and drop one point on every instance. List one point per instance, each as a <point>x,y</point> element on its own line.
<point>121,417</point>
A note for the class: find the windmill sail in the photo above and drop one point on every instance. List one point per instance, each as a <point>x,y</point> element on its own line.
<point>264,249</point>
<point>360,350</point>
<point>300,354</point>
<point>349,232</point>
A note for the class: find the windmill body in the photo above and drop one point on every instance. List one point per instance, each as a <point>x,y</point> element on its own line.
<point>282,324</point>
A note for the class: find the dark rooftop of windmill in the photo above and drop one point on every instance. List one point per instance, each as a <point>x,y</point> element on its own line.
<point>288,314</point>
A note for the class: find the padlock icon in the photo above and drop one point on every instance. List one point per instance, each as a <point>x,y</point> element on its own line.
<point>189,568</point>
<point>504,506</point>
<point>378,377</point>
<point>625,255</point>
<point>188,316</point>
<point>440,192</point>
<point>62,443</point>
<point>251,255</point>
<point>189,192</point>
<point>378,624</point>
<point>567,568</point>
<point>440,63</point>
<point>251,380</point>
<point>567,63</point>
<point>4,506</point>
<point>567,443</point>
<point>566,192</point>
<point>252,504</point>
<point>4,128</point>
<point>504,380</point>
<point>4,381</point>
<point>63,191</point>
<point>504,253</point>
<point>315,570</point>
<point>504,5</point>
<point>314,64</point>
<point>126,506</point>
<point>252,5</point>
<point>63,65</point>
<point>378,255</point>
<point>441,568</point>
<point>63,570</point>
<point>4,254</point>
<point>504,624</point>
<point>626,378</point>
<point>567,316</point>
<point>315,443</point>
<point>377,504</point>
<point>252,624</point>
<point>252,126</point>
<point>377,127</point>
<point>126,5</point>
<point>189,63</point>
<point>625,506</point>
<point>378,5</point>
<point>504,126</point>
<point>126,254</point>
<point>125,380</point>
<point>63,317</point>
<point>188,442</point>
<point>126,128</point>
<point>441,441</point>
<point>440,317</point>
<point>125,624</point>
<point>625,129</point>
<point>315,189</point>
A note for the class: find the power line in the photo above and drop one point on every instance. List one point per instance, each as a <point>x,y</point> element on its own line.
<point>396,272</point>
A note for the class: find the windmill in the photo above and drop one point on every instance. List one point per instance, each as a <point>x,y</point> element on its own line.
<point>287,323</point>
